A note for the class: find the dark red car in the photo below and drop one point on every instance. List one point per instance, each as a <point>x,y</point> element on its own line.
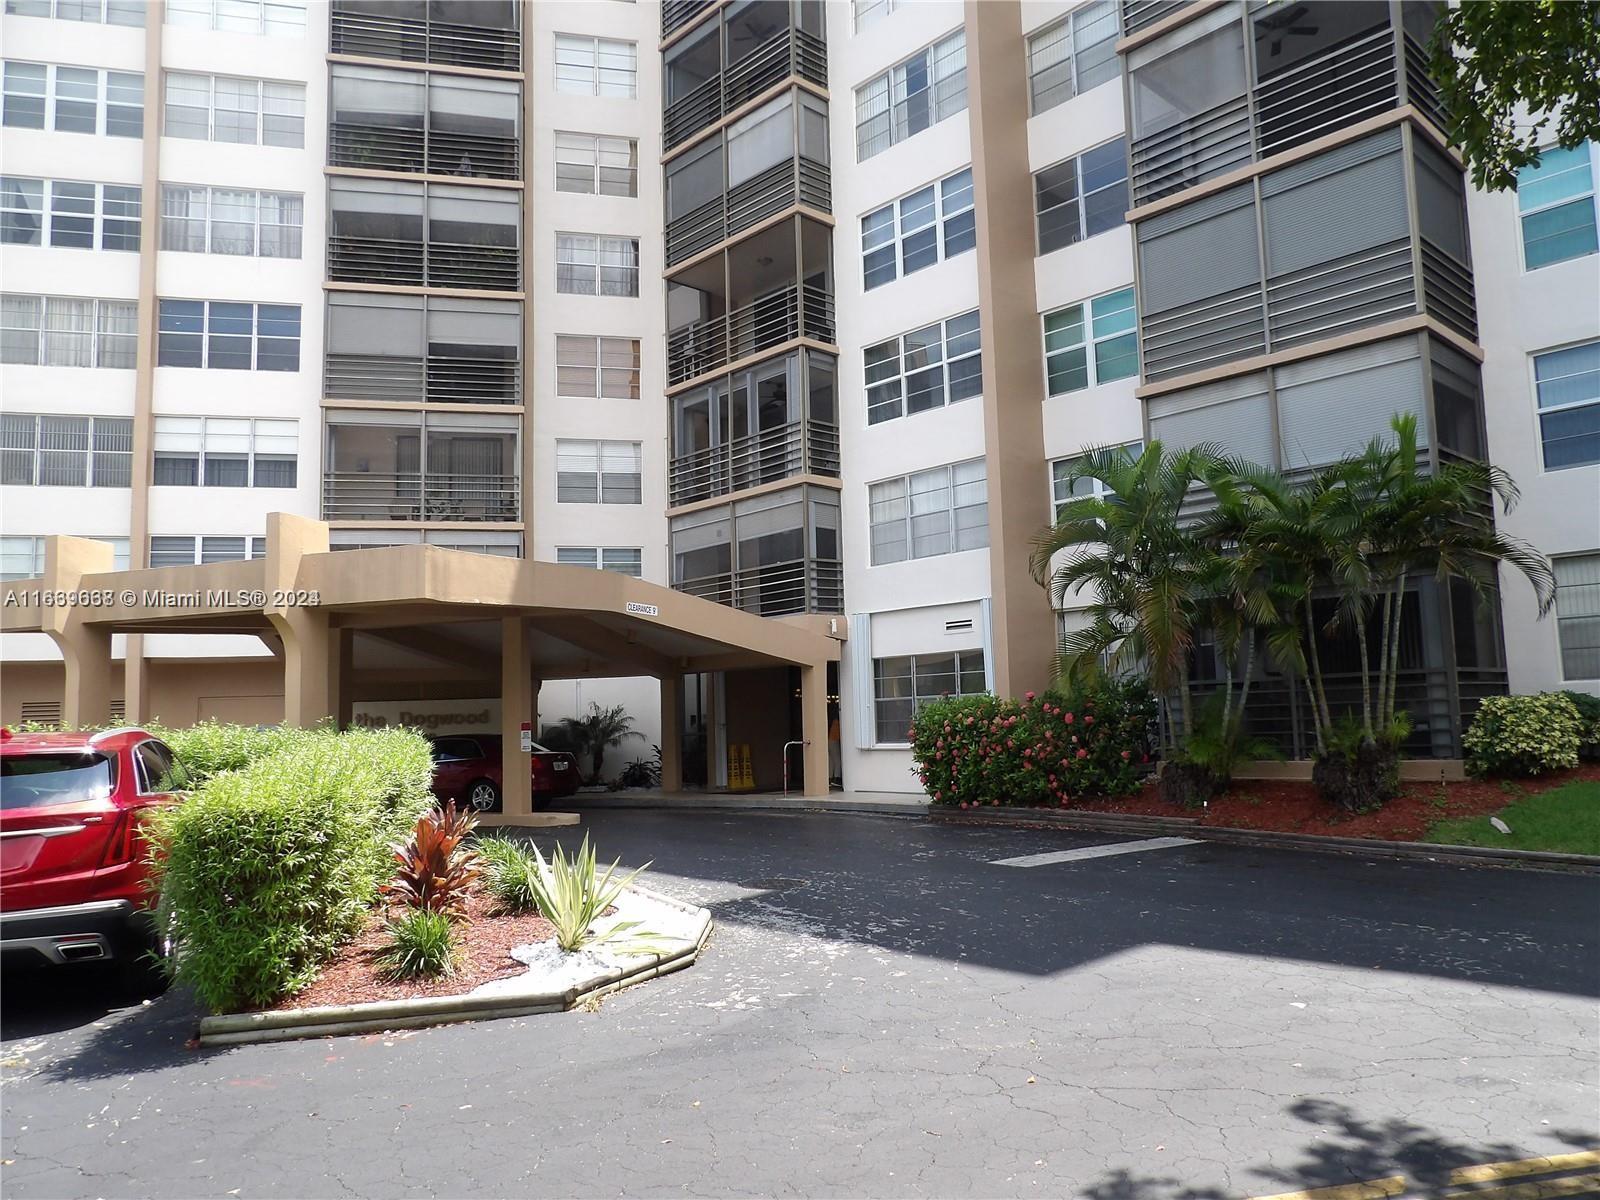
<point>72,869</point>
<point>467,770</point>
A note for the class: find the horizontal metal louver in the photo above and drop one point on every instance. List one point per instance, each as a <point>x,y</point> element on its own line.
<point>1336,404</point>
<point>1335,213</point>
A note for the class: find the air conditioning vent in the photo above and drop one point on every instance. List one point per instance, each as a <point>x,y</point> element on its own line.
<point>963,626</point>
<point>46,712</point>
<point>119,711</point>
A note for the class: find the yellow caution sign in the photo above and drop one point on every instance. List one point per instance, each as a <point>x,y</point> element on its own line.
<point>741,778</point>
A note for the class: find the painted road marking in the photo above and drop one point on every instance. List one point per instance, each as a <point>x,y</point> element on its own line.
<point>1490,1172</point>
<point>1040,860</point>
<point>1540,1189</point>
<point>1375,1189</point>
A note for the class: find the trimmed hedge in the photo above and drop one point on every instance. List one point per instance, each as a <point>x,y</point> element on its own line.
<point>1041,750</point>
<point>211,748</point>
<point>268,868</point>
<point>1523,735</point>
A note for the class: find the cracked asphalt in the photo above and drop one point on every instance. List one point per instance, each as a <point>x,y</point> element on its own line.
<point>880,1012</point>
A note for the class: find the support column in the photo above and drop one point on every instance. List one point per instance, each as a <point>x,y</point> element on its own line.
<point>310,648</point>
<point>341,653</point>
<point>814,727</point>
<point>518,700</point>
<point>672,733</point>
<point>136,682</point>
<point>85,648</point>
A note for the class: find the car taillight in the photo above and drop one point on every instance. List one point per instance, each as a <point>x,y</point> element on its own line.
<point>123,843</point>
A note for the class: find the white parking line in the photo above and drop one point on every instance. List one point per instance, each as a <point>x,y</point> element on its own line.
<point>1040,860</point>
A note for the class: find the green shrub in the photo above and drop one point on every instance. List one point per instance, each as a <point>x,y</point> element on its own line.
<point>1523,735</point>
<point>510,873</point>
<point>267,869</point>
<point>1050,749</point>
<point>572,895</point>
<point>211,747</point>
<point>1588,707</point>
<point>421,946</point>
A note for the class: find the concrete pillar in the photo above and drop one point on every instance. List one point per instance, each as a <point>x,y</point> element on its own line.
<point>342,654</point>
<point>310,647</point>
<point>672,733</point>
<point>136,683</point>
<point>814,727</point>
<point>85,648</point>
<point>518,701</point>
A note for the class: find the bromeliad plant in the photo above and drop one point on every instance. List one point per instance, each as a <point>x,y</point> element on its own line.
<point>435,871</point>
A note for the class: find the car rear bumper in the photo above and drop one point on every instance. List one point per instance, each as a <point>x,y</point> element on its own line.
<point>93,932</point>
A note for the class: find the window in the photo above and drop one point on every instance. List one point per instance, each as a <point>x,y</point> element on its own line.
<point>111,12</point>
<point>587,66</point>
<point>595,165</point>
<point>1090,343</point>
<point>228,336</point>
<point>1556,197</point>
<point>622,560</point>
<point>54,451</point>
<point>591,367</point>
<point>68,331</point>
<point>1578,615</point>
<point>23,557</point>
<point>923,369</point>
<point>238,221</point>
<point>1567,383</point>
<point>225,452</point>
<point>80,99</point>
<point>588,264</point>
<point>598,472</point>
<point>187,551</point>
<point>916,231</point>
<point>1081,197</point>
<point>1063,487</point>
<point>868,12</point>
<point>941,511</point>
<point>86,216</point>
<point>922,91</point>
<point>442,348</point>
<point>1074,54</point>
<point>903,685</point>
<point>275,18</point>
<point>224,109</point>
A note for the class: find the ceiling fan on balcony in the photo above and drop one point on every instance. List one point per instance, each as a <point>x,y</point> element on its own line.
<point>1281,24</point>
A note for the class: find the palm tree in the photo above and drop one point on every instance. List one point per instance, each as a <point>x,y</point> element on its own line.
<point>593,732</point>
<point>1148,576</point>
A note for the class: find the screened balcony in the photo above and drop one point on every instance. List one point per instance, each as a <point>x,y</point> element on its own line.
<point>426,123</point>
<point>420,467</point>
<point>758,294</point>
<point>439,235</point>
<point>440,349</point>
<point>772,555</point>
<point>1204,101</point>
<point>675,14</point>
<point>746,173</point>
<point>774,421</point>
<point>731,60</point>
<point>1140,14</point>
<point>462,33</point>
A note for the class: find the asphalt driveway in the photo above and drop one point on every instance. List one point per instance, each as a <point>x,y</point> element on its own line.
<point>882,1011</point>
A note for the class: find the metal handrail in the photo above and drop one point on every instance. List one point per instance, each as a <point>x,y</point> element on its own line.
<point>789,52</point>
<point>439,264</point>
<point>419,496</point>
<point>422,150</point>
<point>770,320</point>
<point>798,448</point>
<point>774,589</point>
<point>380,35</point>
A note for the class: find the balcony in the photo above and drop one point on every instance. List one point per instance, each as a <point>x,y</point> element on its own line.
<point>768,321</point>
<point>797,181</point>
<point>413,496</point>
<point>1332,91</point>
<point>775,589</point>
<point>436,378</point>
<point>1141,14</point>
<point>675,14</point>
<point>791,52</point>
<point>354,259</point>
<point>373,31</point>
<point>395,147</point>
<point>799,448</point>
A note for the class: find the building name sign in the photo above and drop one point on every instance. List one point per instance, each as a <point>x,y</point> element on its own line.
<point>428,716</point>
<point>643,610</point>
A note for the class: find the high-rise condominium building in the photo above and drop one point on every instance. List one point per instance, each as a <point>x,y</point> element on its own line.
<point>799,307</point>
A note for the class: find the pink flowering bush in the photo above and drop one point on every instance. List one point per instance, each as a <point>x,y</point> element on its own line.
<point>1040,750</point>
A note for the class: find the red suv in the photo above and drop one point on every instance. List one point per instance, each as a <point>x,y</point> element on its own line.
<point>467,770</point>
<point>72,871</point>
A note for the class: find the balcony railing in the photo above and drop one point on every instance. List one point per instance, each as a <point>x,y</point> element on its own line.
<point>1365,288</point>
<point>776,589</point>
<point>675,14</point>
<point>370,33</point>
<point>413,496</point>
<point>435,264</point>
<point>1318,97</point>
<point>771,320</point>
<point>440,378</point>
<point>1139,14</point>
<point>799,448</point>
<point>797,181</point>
<point>791,52</point>
<point>1214,330</point>
<point>412,148</point>
<point>1447,291</point>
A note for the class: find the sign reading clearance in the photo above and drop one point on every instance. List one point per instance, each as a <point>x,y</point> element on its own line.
<point>429,716</point>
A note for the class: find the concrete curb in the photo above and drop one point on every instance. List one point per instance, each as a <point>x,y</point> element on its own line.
<point>1467,856</point>
<point>235,1029</point>
<point>713,803</point>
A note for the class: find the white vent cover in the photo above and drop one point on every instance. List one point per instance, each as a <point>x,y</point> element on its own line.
<point>961,626</point>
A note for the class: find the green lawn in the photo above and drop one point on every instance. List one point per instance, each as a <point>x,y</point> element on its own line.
<point>1566,819</point>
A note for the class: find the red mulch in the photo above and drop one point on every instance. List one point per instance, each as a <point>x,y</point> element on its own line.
<point>484,937</point>
<point>1292,806</point>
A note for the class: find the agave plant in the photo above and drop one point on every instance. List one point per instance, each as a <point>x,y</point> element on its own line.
<point>435,870</point>
<point>572,894</point>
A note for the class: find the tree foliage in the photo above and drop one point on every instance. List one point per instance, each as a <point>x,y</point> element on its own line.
<point>1511,74</point>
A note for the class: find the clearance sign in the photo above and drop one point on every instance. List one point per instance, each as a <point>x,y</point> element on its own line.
<point>429,716</point>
